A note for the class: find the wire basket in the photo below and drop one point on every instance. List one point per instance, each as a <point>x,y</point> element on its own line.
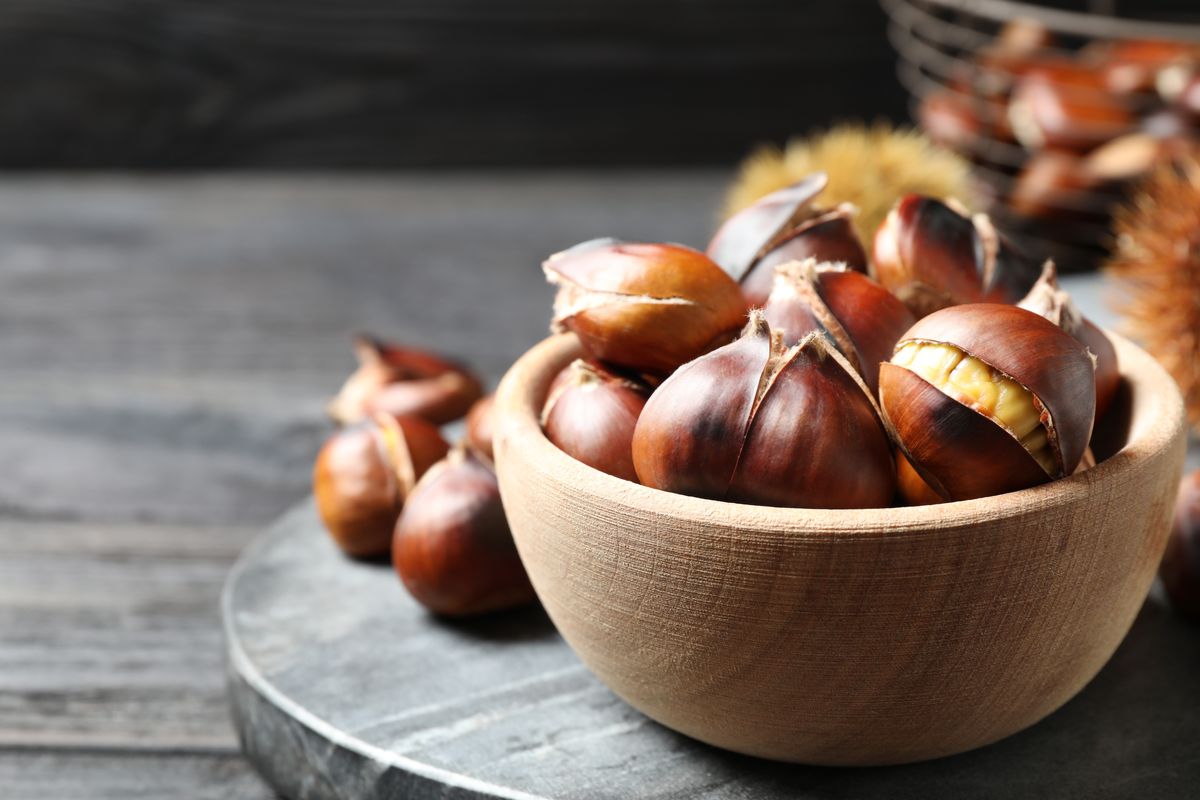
<point>968,66</point>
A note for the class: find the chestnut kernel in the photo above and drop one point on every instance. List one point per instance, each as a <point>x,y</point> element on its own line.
<point>862,319</point>
<point>453,549</point>
<point>932,255</point>
<point>590,414</point>
<point>403,382</point>
<point>756,422</point>
<point>479,426</point>
<point>363,475</point>
<point>986,398</point>
<point>1180,568</point>
<point>1047,300</point>
<point>645,307</point>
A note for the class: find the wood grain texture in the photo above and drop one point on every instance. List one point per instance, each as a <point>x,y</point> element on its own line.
<point>877,636</point>
<point>265,83</point>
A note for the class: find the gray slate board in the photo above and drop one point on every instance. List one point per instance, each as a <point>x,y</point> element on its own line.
<point>343,687</point>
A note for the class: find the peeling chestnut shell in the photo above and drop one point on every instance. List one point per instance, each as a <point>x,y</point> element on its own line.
<point>932,255</point>
<point>453,549</point>
<point>590,414</point>
<point>364,474</point>
<point>985,399</point>
<point>403,381</point>
<point>645,307</point>
<point>862,319</point>
<point>1180,568</point>
<point>756,422</point>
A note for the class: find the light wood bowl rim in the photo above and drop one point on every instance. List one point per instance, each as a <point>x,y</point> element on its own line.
<point>521,393</point>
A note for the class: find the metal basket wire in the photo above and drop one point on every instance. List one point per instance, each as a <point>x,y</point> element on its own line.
<point>939,43</point>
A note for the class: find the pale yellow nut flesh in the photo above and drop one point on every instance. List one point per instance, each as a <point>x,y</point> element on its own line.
<point>977,385</point>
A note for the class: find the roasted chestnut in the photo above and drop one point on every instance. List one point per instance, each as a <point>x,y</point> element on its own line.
<point>985,399</point>
<point>645,307</point>
<point>453,549</point>
<point>785,226</point>
<point>479,426</point>
<point>1047,300</point>
<point>1180,568</point>
<point>403,382</point>
<point>365,472</point>
<point>590,414</point>
<point>860,317</point>
<point>757,422</point>
<point>932,255</point>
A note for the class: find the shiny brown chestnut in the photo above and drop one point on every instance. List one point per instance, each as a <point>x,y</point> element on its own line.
<point>986,398</point>
<point>645,307</point>
<point>1135,65</point>
<point>365,472</point>
<point>590,414</point>
<point>911,487</point>
<point>931,254</point>
<point>403,382</point>
<point>862,319</point>
<point>1180,568</point>
<point>757,422</point>
<point>1056,185</point>
<point>1047,300</point>
<point>453,549</point>
<point>479,426</point>
<point>1067,107</point>
<point>784,226</point>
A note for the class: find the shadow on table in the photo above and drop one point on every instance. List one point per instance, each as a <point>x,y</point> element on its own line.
<point>1133,731</point>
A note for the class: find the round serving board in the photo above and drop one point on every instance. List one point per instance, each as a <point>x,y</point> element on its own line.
<point>343,687</point>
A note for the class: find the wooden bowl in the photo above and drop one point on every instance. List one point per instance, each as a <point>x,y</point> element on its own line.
<point>860,637</point>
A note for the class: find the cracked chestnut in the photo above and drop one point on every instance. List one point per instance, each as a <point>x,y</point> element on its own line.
<point>985,399</point>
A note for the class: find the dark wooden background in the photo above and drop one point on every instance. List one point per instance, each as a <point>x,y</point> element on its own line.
<point>391,83</point>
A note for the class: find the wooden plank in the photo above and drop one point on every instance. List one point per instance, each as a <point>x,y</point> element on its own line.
<point>58,774</point>
<point>266,83</point>
<point>111,636</point>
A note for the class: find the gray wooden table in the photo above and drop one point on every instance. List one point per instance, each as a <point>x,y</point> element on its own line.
<point>165,347</point>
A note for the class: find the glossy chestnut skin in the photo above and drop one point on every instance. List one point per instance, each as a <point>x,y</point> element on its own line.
<point>1180,568</point>
<point>590,414</point>
<point>755,422</point>
<point>364,473</point>
<point>479,426</point>
<point>1047,300</point>
<point>1067,106</point>
<point>784,226</point>
<point>1134,65</point>
<point>931,256</point>
<point>403,382</point>
<point>860,317</point>
<point>1055,185</point>
<point>644,307</point>
<point>950,119</point>
<point>911,487</point>
<point>963,454</point>
<point>453,549</point>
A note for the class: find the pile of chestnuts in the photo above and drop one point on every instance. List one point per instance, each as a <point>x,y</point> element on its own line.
<point>387,482</point>
<point>786,367</point>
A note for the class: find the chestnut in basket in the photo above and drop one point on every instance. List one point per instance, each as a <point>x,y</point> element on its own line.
<point>365,472</point>
<point>1067,107</point>
<point>1180,569</point>
<point>403,382</point>
<point>756,422</point>
<point>590,414</point>
<point>1047,300</point>
<point>986,398</point>
<point>453,549</point>
<point>645,307</point>
<point>861,318</point>
<point>785,226</point>
<point>931,255</point>
<point>479,426</point>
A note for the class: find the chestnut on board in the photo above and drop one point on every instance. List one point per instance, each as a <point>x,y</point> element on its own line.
<point>785,226</point>
<point>757,422</point>
<point>363,475</point>
<point>644,307</point>
<point>1180,568</point>
<point>861,318</point>
<point>453,549</point>
<point>984,399</point>
<point>403,382</point>
<point>590,414</point>
<point>932,255</point>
